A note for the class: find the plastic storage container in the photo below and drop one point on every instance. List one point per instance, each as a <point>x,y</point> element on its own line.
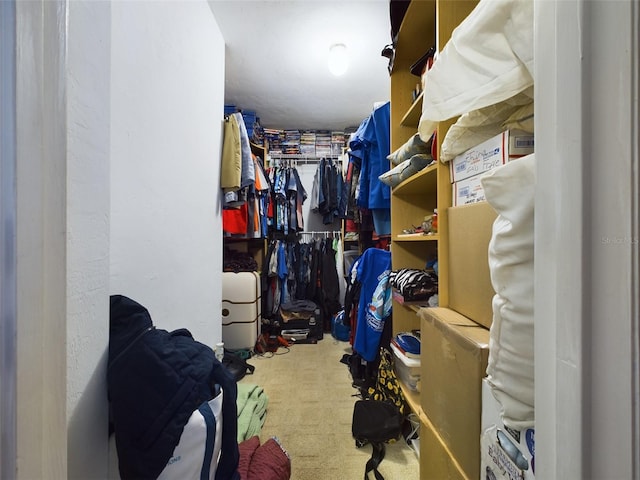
<point>407,369</point>
<point>241,309</point>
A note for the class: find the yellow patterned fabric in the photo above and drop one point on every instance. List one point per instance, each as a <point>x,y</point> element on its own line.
<point>387,387</point>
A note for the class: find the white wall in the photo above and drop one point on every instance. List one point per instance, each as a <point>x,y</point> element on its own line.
<point>587,235</point>
<point>120,100</point>
<point>87,242</point>
<point>167,105</point>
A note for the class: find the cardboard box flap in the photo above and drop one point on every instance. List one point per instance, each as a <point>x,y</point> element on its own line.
<point>454,355</point>
<point>458,328</point>
<point>470,289</point>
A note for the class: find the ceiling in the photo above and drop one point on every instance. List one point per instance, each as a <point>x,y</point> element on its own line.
<point>276,60</point>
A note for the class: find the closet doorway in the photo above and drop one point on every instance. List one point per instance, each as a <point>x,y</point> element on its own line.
<point>8,314</point>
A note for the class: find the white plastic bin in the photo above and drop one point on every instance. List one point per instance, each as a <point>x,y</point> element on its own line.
<point>241,309</point>
<point>407,369</point>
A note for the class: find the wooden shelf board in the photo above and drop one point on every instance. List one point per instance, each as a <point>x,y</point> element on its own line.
<point>412,117</point>
<point>418,238</point>
<point>423,181</point>
<point>413,400</point>
<point>417,33</point>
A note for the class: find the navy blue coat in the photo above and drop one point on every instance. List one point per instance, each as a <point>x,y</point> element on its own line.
<point>155,380</point>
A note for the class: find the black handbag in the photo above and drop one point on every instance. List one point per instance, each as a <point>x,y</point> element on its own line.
<point>375,422</point>
<point>237,366</point>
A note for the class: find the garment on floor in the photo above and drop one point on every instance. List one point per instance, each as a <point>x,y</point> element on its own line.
<point>252,410</point>
<point>174,374</point>
<point>268,461</point>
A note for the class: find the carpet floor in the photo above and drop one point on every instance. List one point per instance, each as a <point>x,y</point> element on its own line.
<point>310,409</point>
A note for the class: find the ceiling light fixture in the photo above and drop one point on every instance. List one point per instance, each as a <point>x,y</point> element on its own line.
<point>338,59</point>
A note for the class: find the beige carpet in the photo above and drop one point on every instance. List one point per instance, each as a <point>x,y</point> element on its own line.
<point>310,408</point>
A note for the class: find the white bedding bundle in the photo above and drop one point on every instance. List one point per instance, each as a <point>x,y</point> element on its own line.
<point>485,74</point>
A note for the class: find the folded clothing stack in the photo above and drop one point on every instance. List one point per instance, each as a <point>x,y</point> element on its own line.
<point>414,284</point>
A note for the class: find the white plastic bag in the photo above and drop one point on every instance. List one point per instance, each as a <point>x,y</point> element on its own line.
<point>197,453</point>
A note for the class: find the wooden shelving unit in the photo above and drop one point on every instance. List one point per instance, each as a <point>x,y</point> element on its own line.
<point>426,24</point>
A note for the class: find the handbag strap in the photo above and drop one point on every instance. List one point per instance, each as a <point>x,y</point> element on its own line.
<point>377,455</point>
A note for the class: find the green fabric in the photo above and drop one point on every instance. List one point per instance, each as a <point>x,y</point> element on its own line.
<point>252,410</point>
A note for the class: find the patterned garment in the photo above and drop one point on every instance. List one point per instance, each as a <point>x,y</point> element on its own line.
<point>414,284</point>
<point>387,387</point>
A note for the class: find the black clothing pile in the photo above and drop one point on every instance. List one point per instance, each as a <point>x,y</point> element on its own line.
<point>155,381</point>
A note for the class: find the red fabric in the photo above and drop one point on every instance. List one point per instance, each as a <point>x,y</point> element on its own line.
<point>247,449</point>
<point>234,220</point>
<point>270,462</point>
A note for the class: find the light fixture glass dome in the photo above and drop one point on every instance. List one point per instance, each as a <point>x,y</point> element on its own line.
<point>338,59</point>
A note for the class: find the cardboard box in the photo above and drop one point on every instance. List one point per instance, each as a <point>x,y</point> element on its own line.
<point>467,191</point>
<point>498,457</point>
<point>436,461</point>
<point>470,289</point>
<point>490,154</point>
<point>454,361</point>
<point>494,456</point>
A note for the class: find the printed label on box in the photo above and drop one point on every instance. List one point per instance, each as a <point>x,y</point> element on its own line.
<point>491,154</point>
<point>522,142</point>
<point>480,159</point>
<point>468,191</point>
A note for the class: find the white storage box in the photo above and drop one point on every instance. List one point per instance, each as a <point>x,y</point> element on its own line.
<point>241,309</point>
<point>505,453</point>
<point>490,154</point>
<point>467,191</point>
<point>407,369</point>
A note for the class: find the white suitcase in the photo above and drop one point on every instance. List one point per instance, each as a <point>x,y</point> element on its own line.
<point>241,309</point>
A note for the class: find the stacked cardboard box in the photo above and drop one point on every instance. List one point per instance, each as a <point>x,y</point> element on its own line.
<point>466,169</point>
<point>506,454</point>
<point>456,348</point>
<point>453,365</point>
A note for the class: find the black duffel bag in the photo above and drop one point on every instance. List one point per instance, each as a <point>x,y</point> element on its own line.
<point>375,422</point>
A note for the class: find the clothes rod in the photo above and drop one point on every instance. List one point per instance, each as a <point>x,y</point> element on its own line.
<point>295,156</point>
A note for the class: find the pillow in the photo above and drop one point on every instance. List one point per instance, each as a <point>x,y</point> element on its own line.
<point>488,58</point>
<point>406,169</point>
<point>521,119</point>
<point>412,147</point>
<point>510,190</point>
<point>477,126</point>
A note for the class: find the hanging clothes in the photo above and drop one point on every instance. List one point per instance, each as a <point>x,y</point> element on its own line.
<point>231,162</point>
<point>247,219</point>
<point>244,183</point>
<point>370,144</point>
<point>285,215</point>
<point>374,310</point>
<point>300,270</point>
<point>327,191</point>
